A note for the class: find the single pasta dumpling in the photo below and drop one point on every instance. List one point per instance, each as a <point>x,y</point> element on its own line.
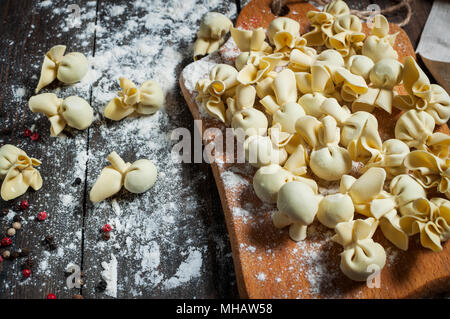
<point>251,121</point>
<point>268,181</point>
<point>297,205</point>
<point>335,209</point>
<point>69,68</point>
<point>140,177</point>
<point>73,111</point>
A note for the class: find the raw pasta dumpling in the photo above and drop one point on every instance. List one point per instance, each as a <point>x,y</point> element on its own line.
<point>211,35</point>
<point>69,68</point>
<point>73,111</point>
<point>297,205</point>
<point>147,99</point>
<point>136,178</point>
<point>18,172</point>
<point>362,256</point>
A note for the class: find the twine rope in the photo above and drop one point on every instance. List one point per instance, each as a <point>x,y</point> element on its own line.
<point>277,6</point>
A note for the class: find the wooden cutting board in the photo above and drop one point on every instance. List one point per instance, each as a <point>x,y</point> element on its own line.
<point>267,263</point>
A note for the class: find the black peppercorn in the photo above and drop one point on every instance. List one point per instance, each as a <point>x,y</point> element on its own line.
<point>29,263</point>
<point>4,212</point>
<point>14,255</point>
<point>24,252</point>
<point>77,181</point>
<point>52,246</point>
<point>49,239</point>
<point>101,286</point>
<point>17,219</point>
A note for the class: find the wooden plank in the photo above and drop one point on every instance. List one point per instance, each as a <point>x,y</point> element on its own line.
<point>28,30</point>
<point>268,263</point>
<point>169,241</point>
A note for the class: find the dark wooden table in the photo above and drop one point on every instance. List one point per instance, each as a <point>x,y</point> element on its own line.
<point>170,242</point>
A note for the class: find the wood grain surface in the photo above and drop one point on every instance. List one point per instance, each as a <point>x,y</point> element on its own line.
<point>277,267</point>
<point>28,31</point>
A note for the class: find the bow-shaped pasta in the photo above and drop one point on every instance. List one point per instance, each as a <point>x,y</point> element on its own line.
<point>320,78</point>
<point>213,28</point>
<point>422,95</point>
<point>379,45</point>
<point>347,36</point>
<point>297,205</point>
<point>69,68</point>
<point>73,111</point>
<point>335,209</point>
<point>352,85</point>
<point>360,65</point>
<point>136,178</point>
<point>251,121</point>
<point>430,170</point>
<point>322,22</point>
<point>260,151</point>
<point>360,253</point>
<point>244,98</point>
<point>147,99</point>
<point>283,33</point>
<point>222,80</point>
<point>269,179</point>
<point>360,136</point>
<point>390,157</point>
<point>284,90</point>
<point>369,199</point>
<point>385,74</point>
<point>328,160</point>
<point>430,218</point>
<point>257,71</point>
<point>415,128</point>
<point>311,104</point>
<point>18,172</point>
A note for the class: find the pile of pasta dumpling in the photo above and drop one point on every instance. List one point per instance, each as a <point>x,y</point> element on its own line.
<point>305,103</point>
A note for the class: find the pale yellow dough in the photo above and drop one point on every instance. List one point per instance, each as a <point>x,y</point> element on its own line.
<point>69,68</point>
<point>136,178</point>
<point>73,111</point>
<point>147,99</point>
<point>18,172</point>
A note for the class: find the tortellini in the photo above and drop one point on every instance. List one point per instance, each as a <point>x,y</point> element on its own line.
<point>297,205</point>
<point>69,68</point>
<point>430,218</point>
<point>147,99</point>
<point>283,32</point>
<point>322,22</point>
<point>73,111</point>
<point>269,179</point>
<point>422,95</point>
<point>211,35</point>
<point>390,157</point>
<point>415,128</point>
<point>335,209</point>
<point>362,256</point>
<point>379,45</point>
<point>360,135</point>
<point>251,121</point>
<point>136,178</point>
<point>18,172</point>
<point>328,160</point>
<point>384,75</point>
<point>222,79</point>
<point>430,170</point>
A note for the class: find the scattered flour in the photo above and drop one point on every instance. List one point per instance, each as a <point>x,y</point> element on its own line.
<point>109,274</point>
